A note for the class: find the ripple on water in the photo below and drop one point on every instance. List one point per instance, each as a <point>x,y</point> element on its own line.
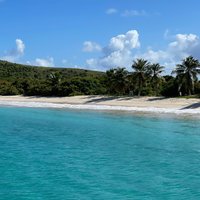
<point>65,154</point>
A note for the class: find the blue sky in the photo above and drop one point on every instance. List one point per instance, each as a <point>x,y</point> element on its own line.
<point>98,34</point>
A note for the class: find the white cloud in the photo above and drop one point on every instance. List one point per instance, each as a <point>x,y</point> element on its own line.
<point>127,41</point>
<point>183,45</point>
<point>89,46</point>
<point>14,54</point>
<point>122,50</point>
<point>20,46</point>
<point>133,13</point>
<point>49,62</point>
<point>153,56</point>
<point>114,59</point>
<point>118,52</point>
<point>111,11</point>
<point>127,13</point>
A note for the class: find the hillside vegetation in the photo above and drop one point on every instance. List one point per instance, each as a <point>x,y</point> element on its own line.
<point>18,79</point>
<point>145,79</point>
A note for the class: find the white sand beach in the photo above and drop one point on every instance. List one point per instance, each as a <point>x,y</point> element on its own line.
<point>137,104</point>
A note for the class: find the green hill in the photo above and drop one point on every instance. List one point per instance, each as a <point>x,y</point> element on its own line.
<point>13,70</point>
<point>31,80</point>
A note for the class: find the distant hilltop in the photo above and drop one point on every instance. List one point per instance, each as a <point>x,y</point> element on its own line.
<point>9,69</point>
<point>19,79</point>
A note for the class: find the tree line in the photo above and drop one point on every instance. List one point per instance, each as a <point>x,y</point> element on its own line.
<point>145,79</point>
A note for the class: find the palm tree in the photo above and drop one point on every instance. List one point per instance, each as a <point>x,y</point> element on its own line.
<point>154,71</point>
<point>55,80</point>
<point>140,67</point>
<point>187,74</point>
<point>117,80</point>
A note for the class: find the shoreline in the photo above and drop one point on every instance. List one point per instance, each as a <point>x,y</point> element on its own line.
<point>108,103</point>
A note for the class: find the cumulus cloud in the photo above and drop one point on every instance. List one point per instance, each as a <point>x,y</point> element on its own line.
<point>183,45</point>
<point>49,62</point>
<point>14,54</point>
<point>89,46</point>
<point>118,52</point>
<point>122,42</point>
<point>111,11</point>
<point>123,49</point>
<point>114,59</point>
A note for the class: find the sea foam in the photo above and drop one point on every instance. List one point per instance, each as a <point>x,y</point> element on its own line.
<point>100,107</point>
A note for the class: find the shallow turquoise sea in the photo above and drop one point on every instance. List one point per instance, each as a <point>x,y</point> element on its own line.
<point>63,154</point>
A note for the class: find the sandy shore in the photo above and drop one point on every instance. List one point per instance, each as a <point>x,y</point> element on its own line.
<point>142,104</point>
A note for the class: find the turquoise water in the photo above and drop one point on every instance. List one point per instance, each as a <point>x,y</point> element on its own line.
<point>54,154</point>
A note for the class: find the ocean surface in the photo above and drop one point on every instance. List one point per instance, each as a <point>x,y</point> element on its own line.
<point>61,154</point>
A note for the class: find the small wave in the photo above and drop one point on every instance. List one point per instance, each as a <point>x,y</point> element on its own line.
<point>99,107</point>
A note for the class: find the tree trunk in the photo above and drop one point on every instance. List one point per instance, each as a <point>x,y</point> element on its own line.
<point>179,90</point>
<point>140,88</point>
<point>139,92</point>
<point>189,92</point>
